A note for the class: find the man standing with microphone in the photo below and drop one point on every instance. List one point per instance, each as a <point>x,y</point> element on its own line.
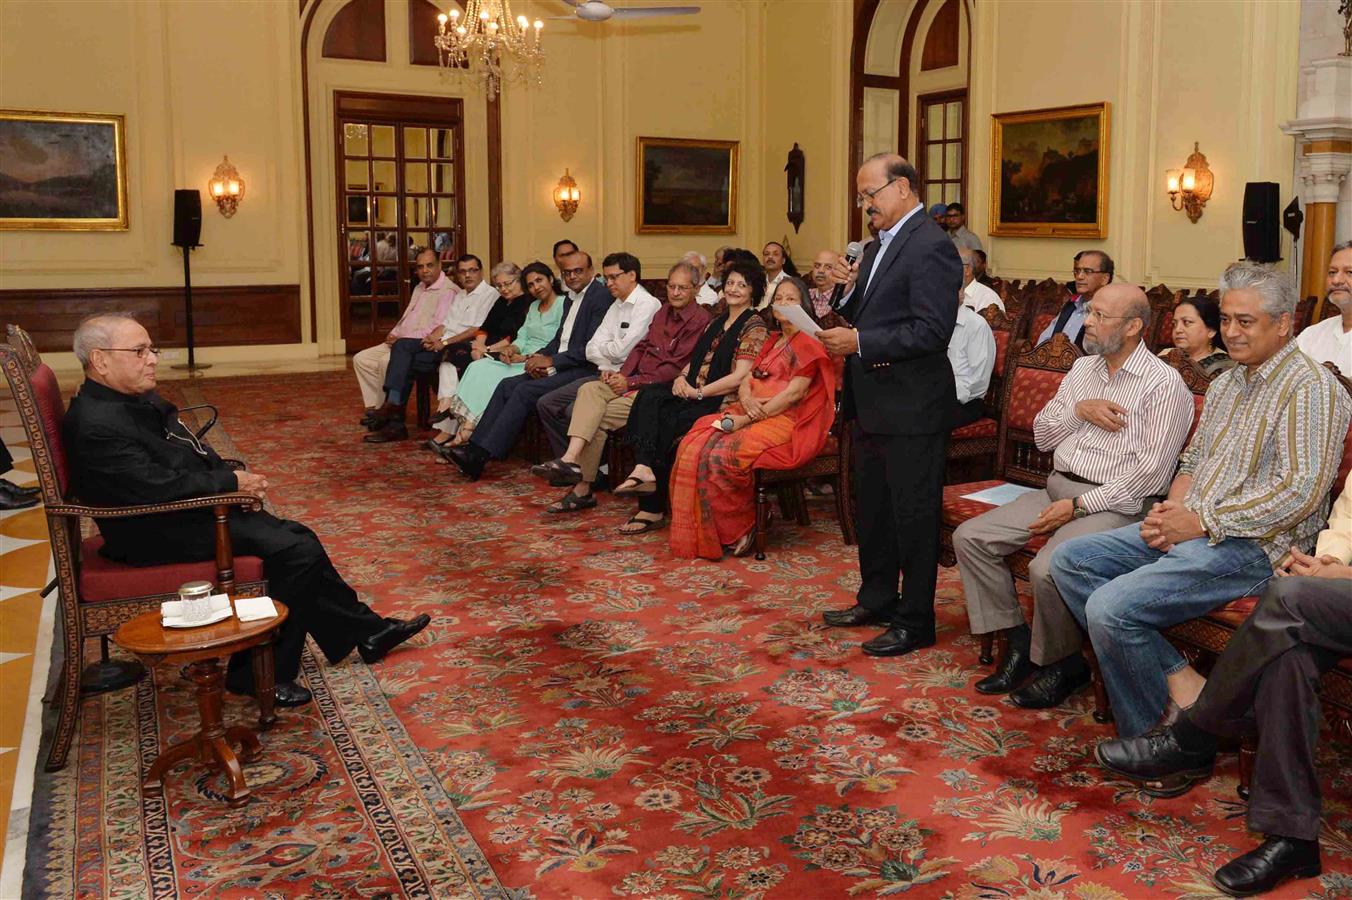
<point>901,299</point>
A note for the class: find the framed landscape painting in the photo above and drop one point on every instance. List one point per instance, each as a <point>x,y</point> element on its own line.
<point>1049,172</point>
<point>62,171</point>
<point>686,186</point>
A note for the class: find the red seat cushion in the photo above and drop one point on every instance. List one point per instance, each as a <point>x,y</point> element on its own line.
<point>101,579</point>
<point>1235,612</point>
<point>1001,352</point>
<point>958,509</point>
<point>47,395</point>
<point>981,428</point>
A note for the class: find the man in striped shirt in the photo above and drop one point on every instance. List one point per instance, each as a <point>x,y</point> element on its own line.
<point>1116,424</point>
<point>1253,485</point>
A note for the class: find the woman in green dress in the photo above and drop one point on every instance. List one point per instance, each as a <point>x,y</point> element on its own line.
<point>482,376</point>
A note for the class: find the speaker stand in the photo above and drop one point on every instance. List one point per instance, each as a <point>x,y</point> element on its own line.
<point>192,366</point>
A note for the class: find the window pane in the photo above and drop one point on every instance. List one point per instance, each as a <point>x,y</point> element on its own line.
<point>443,242</point>
<point>934,162</point>
<point>415,178</point>
<point>384,211</point>
<point>443,178</point>
<point>356,174</point>
<point>359,312</point>
<point>953,160</point>
<point>415,240</point>
<point>443,143</point>
<point>357,211</point>
<point>382,176</point>
<point>934,121</point>
<point>358,245</point>
<point>934,193</point>
<point>359,282</point>
<point>387,281</point>
<point>382,140</point>
<point>416,212</point>
<point>387,310</point>
<point>387,246</point>
<point>952,192</point>
<point>443,213</point>
<point>415,143</point>
<point>953,119</point>
<point>354,140</point>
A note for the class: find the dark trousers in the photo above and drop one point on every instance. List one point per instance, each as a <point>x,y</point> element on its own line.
<point>1268,680</point>
<point>512,401</point>
<point>407,356</point>
<point>299,574</point>
<point>556,413</point>
<point>657,422</point>
<point>961,414</point>
<point>899,483</point>
<point>6,459</point>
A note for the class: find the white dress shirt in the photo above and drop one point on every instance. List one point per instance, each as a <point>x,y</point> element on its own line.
<point>1327,342</point>
<point>575,298</point>
<point>885,236</point>
<point>707,296</point>
<point>978,297</point>
<point>971,351</point>
<point>624,325</point>
<point>770,285</point>
<point>468,310</point>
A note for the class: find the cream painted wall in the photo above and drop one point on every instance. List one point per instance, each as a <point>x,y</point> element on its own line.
<point>205,79</point>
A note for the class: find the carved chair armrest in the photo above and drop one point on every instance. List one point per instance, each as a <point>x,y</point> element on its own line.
<point>211,422</point>
<point>76,510</point>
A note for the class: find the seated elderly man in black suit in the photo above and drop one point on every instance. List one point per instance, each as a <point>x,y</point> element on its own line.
<point>126,446</point>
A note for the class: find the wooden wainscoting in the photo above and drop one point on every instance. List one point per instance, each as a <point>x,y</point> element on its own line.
<point>239,314</point>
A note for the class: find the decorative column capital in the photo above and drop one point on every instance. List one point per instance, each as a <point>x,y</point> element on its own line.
<point>1323,174</point>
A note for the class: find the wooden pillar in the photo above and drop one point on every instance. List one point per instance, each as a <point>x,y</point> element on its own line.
<point>1324,166</point>
<point>1319,221</point>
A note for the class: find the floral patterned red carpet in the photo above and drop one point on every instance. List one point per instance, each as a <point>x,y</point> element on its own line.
<point>587,717</point>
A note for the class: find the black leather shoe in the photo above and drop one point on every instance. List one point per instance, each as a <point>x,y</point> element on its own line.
<point>1012,672</point>
<point>852,617</point>
<point>1052,685</point>
<point>1260,870</point>
<point>374,647</point>
<point>370,417</point>
<point>392,430</point>
<point>1156,762</point>
<point>7,485</point>
<point>12,499</point>
<point>896,641</point>
<point>470,463</point>
<point>287,694</point>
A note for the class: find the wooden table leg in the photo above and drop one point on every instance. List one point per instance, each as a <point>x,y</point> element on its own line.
<point>264,682</point>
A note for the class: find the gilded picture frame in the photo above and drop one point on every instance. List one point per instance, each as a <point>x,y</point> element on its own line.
<point>1049,172</point>
<point>62,171</point>
<point>686,186</point>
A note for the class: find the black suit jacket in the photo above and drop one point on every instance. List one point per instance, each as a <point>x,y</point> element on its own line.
<point>596,300</point>
<point>126,450</point>
<point>901,381</point>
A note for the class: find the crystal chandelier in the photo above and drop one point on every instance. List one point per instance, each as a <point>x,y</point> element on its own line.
<point>493,46</point>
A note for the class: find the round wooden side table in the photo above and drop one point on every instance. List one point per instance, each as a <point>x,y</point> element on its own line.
<point>203,648</point>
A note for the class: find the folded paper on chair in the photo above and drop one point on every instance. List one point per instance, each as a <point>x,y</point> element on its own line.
<point>1000,494</point>
<point>248,609</point>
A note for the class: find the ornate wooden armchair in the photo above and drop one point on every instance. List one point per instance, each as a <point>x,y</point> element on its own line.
<point>96,594</point>
<point>1045,300</point>
<point>972,448</point>
<point>832,462</point>
<point>1033,381</point>
<point>1162,303</point>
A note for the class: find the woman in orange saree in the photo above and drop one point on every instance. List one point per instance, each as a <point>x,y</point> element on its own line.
<point>781,420</point>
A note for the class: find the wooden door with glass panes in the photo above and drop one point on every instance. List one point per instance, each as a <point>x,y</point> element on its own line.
<point>400,190</point>
<point>941,144</point>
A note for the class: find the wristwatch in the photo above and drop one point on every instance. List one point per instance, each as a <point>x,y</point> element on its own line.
<point>1079,512</point>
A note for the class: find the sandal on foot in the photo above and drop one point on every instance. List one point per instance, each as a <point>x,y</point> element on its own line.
<point>558,473</point>
<point>632,486</point>
<point>572,503</point>
<point>745,544</point>
<point>647,525</point>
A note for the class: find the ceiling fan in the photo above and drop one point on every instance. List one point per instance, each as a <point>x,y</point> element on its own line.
<point>598,11</point>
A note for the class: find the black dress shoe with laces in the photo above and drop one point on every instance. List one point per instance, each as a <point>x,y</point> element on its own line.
<point>1275,860</point>
<point>1053,684</point>
<point>854,616</point>
<point>468,460</point>
<point>392,430</point>
<point>897,641</point>
<point>1156,762</point>
<point>286,694</point>
<point>1012,672</point>
<point>17,490</point>
<point>374,647</point>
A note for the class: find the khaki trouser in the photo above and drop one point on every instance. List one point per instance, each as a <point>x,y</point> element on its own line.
<point>597,411</point>
<point>370,365</point>
<point>981,545</point>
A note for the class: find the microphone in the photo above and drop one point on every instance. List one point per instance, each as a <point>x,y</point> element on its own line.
<point>852,252</point>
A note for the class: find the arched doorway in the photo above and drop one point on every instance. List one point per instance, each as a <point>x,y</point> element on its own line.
<point>909,70</point>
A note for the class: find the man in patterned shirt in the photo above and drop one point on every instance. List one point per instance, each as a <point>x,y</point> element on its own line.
<point>1253,485</point>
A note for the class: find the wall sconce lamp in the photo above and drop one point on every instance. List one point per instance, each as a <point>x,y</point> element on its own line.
<point>1190,187</point>
<point>226,188</point>
<point>566,196</point>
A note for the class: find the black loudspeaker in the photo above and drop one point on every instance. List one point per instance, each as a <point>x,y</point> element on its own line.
<point>1262,221</point>
<point>188,218</point>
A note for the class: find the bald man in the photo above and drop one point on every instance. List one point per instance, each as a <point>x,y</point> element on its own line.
<point>1115,426</point>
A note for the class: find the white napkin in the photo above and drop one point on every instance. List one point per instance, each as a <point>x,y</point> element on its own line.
<point>252,609</point>
<point>171,612</point>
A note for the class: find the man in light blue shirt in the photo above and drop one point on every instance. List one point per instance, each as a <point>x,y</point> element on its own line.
<point>1093,269</point>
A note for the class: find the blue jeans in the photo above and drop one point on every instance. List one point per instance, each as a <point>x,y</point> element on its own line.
<point>1124,594</point>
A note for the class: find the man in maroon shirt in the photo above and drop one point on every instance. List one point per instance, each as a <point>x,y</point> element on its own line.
<point>603,405</point>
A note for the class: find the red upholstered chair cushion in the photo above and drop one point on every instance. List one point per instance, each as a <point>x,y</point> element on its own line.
<point>102,579</point>
<point>1040,323</point>
<point>1166,330</point>
<point>958,509</point>
<point>1032,390</point>
<point>1235,612</point>
<point>1036,543</point>
<point>1001,350</point>
<point>1197,402</point>
<point>47,394</point>
<point>981,428</point>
